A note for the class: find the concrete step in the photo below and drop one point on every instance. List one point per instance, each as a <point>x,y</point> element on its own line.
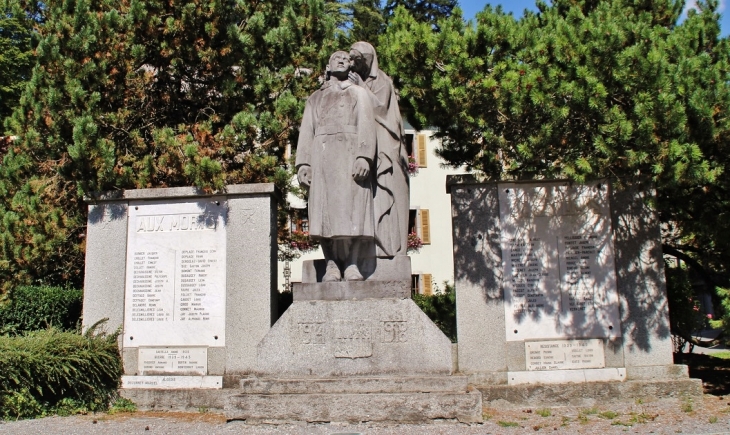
<point>356,385</point>
<point>588,394</point>
<point>384,407</point>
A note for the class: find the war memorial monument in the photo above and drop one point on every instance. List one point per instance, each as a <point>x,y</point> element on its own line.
<point>560,287</point>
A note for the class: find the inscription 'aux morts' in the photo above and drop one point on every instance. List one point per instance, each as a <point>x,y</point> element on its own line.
<point>175,222</point>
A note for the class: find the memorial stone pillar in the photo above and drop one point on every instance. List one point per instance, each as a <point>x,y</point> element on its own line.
<point>189,277</point>
<point>559,282</point>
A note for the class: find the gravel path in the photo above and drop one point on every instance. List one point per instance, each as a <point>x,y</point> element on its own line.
<point>711,415</point>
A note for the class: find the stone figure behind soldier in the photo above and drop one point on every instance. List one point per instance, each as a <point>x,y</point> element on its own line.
<point>391,200</point>
<point>335,160</point>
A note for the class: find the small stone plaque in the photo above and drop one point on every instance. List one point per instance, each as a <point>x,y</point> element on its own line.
<point>173,360</point>
<point>564,354</point>
<point>172,382</point>
<point>175,289</point>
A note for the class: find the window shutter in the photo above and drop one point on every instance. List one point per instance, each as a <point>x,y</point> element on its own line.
<point>427,284</point>
<point>425,227</point>
<point>422,156</point>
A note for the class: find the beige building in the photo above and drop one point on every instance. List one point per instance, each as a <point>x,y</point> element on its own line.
<point>430,218</point>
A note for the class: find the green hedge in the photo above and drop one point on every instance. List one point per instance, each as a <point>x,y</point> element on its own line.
<point>441,308</point>
<point>32,308</point>
<point>56,372</point>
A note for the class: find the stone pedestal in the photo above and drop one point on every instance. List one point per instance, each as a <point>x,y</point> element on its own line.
<point>376,337</point>
<point>355,351</point>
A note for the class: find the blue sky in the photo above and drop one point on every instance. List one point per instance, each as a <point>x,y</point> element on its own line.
<point>471,7</point>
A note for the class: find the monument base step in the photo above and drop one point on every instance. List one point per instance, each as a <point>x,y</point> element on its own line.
<point>356,399</point>
<point>359,407</point>
<point>587,394</point>
<point>408,399</point>
<point>356,385</point>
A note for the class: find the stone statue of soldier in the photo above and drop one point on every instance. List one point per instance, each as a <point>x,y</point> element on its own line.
<point>335,161</point>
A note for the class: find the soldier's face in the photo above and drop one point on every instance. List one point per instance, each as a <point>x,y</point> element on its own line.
<point>340,62</point>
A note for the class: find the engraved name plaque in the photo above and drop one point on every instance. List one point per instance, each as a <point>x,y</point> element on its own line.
<point>558,261</point>
<point>173,360</point>
<point>176,275</point>
<point>564,354</point>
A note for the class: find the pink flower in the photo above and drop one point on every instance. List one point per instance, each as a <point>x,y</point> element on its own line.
<point>709,316</point>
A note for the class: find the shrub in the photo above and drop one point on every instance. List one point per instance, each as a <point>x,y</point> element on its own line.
<point>441,309</point>
<point>31,308</point>
<point>52,371</point>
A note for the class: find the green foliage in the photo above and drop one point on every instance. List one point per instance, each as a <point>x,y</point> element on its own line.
<point>544,412</point>
<point>367,20</point>
<point>685,315</point>
<point>722,355</point>
<point>34,308</point>
<point>441,309</point>
<point>723,307</point>
<point>422,10</point>
<point>137,94</point>
<point>122,405</point>
<point>687,405</point>
<point>581,89</point>
<point>55,372</point>
<point>609,415</point>
<point>508,423</point>
<point>17,39</point>
<point>584,89</point>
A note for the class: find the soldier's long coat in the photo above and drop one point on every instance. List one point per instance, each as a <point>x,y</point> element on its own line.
<point>338,127</point>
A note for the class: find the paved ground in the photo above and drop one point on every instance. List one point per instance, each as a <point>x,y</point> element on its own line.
<point>711,415</point>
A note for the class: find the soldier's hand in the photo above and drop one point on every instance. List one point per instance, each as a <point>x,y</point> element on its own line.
<point>361,169</point>
<point>355,78</point>
<point>304,175</point>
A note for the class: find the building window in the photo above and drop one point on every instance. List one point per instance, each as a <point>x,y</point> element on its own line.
<point>427,284</point>
<point>409,145</point>
<point>419,222</point>
<point>422,284</point>
<point>299,220</point>
<point>413,221</point>
<point>425,223</point>
<point>422,157</point>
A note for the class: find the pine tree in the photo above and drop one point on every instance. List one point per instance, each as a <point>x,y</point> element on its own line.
<point>134,94</point>
<point>17,40</point>
<point>423,11</point>
<point>368,21</point>
<point>585,89</point>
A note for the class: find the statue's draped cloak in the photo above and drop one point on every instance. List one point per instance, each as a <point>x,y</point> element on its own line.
<point>391,192</point>
<point>338,127</point>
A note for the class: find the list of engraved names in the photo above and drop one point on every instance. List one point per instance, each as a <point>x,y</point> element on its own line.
<point>564,354</point>
<point>579,257</point>
<point>557,254</point>
<point>150,281</point>
<point>528,275</point>
<point>176,274</point>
